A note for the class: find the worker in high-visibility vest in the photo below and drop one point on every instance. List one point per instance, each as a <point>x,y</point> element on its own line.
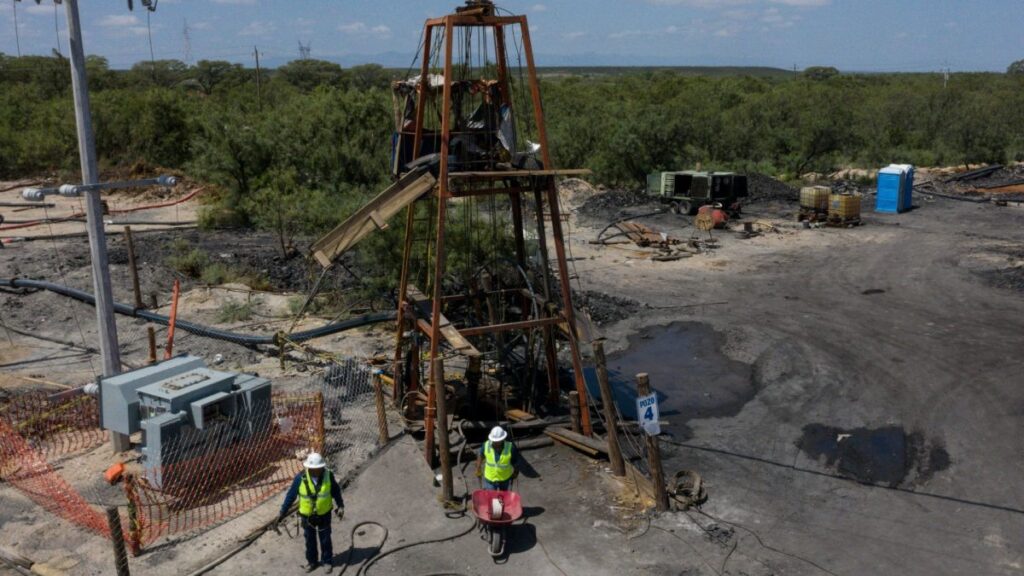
<point>499,461</point>
<point>317,491</point>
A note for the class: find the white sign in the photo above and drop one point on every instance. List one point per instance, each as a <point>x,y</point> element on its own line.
<point>647,414</point>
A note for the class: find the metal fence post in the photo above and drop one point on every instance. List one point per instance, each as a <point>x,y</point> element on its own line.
<point>117,537</point>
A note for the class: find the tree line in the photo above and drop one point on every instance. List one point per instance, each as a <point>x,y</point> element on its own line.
<point>306,145</point>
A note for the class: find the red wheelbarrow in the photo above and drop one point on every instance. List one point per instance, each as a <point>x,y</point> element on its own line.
<point>495,510</point>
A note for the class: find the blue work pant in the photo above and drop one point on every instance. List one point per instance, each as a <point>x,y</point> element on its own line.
<point>488,485</point>
<point>318,528</point>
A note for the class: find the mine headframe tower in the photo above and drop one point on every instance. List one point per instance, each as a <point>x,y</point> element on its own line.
<point>467,118</point>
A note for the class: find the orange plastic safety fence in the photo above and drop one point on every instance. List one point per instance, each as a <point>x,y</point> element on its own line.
<point>27,470</point>
<point>55,426</point>
<point>218,485</point>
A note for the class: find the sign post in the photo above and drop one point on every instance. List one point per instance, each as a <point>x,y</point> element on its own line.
<point>647,414</point>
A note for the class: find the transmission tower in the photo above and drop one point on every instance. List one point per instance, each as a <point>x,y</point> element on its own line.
<point>305,49</point>
<point>17,35</point>
<point>187,37</point>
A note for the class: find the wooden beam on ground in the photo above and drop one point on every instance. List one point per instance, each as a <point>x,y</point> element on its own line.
<point>585,444</point>
<point>372,216</point>
<point>517,415</point>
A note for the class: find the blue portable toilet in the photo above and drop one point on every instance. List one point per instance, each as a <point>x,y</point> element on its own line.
<point>895,185</point>
<point>906,200</point>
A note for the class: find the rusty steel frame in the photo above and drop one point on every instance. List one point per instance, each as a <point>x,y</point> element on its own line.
<point>445,192</point>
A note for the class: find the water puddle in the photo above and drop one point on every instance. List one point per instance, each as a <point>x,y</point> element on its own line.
<point>694,379</point>
<point>886,455</point>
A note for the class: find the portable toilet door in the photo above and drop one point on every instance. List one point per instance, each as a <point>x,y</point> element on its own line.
<point>908,190</point>
<point>890,190</point>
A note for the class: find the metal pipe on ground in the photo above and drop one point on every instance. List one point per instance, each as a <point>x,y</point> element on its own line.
<point>249,340</point>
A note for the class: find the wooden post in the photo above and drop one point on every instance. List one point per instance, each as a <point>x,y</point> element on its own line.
<point>574,411</point>
<point>382,417</point>
<point>174,318</point>
<point>133,268</point>
<point>117,537</point>
<point>610,414</point>
<point>151,333</point>
<point>643,388</point>
<point>473,376</point>
<point>440,397</point>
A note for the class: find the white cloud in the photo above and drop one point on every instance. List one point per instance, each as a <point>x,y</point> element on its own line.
<point>352,27</point>
<point>627,34</point>
<point>236,2</point>
<point>119,20</point>
<point>539,8</point>
<point>574,35</point>
<point>257,28</point>
<point>37,9</point>
<point>361,29</point>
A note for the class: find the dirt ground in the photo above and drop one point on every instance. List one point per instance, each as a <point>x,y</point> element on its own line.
<point>852,396</point>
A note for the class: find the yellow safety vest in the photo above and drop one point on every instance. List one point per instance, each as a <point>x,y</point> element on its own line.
<point>498,469</point>
<point>323,500</point>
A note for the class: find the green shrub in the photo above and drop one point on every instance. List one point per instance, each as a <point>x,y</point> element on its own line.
<point>232,312</point>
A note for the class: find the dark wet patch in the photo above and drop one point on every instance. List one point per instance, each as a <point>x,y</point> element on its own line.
<point>871,291</point>
<point>694,379</point>
<point>886,455</point>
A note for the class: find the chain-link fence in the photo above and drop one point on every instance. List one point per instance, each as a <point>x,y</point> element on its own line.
<point>213,475</point>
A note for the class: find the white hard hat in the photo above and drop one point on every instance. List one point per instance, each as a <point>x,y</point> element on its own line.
<point>497,434</point>
<point>314,460</point>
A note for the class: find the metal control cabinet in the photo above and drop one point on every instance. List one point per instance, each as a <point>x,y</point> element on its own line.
<point>184,410</point>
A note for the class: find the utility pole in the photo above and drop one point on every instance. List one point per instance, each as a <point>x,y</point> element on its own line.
<point>259,88</point>
<point>17,35</point>
<point>93,210</point>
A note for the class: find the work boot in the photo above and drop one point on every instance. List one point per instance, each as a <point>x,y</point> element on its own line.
<point>310,567</point>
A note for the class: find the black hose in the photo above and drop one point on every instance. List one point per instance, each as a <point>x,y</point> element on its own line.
<point>249,340</point>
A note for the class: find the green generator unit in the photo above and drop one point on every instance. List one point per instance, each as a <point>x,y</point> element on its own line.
<point>688,190</point>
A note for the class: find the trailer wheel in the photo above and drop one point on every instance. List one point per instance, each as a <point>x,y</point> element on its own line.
<point>688,208</point>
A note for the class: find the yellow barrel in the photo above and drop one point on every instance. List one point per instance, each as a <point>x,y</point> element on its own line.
<point>815,198</point>
<point>844,206</point>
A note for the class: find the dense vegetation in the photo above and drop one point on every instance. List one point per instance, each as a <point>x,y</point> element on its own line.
<point>313,144</point>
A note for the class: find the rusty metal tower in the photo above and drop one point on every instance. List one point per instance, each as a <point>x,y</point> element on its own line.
<point>477,154</point>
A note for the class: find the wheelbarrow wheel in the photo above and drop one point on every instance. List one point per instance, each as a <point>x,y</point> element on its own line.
<point>497,541</point>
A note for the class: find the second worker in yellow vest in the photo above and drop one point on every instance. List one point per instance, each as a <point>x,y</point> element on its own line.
<point>498,461</point>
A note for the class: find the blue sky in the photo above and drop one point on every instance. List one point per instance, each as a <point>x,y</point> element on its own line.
<point>868,35</point>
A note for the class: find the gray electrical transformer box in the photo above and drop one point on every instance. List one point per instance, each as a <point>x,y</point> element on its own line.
<point>184,410</point>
